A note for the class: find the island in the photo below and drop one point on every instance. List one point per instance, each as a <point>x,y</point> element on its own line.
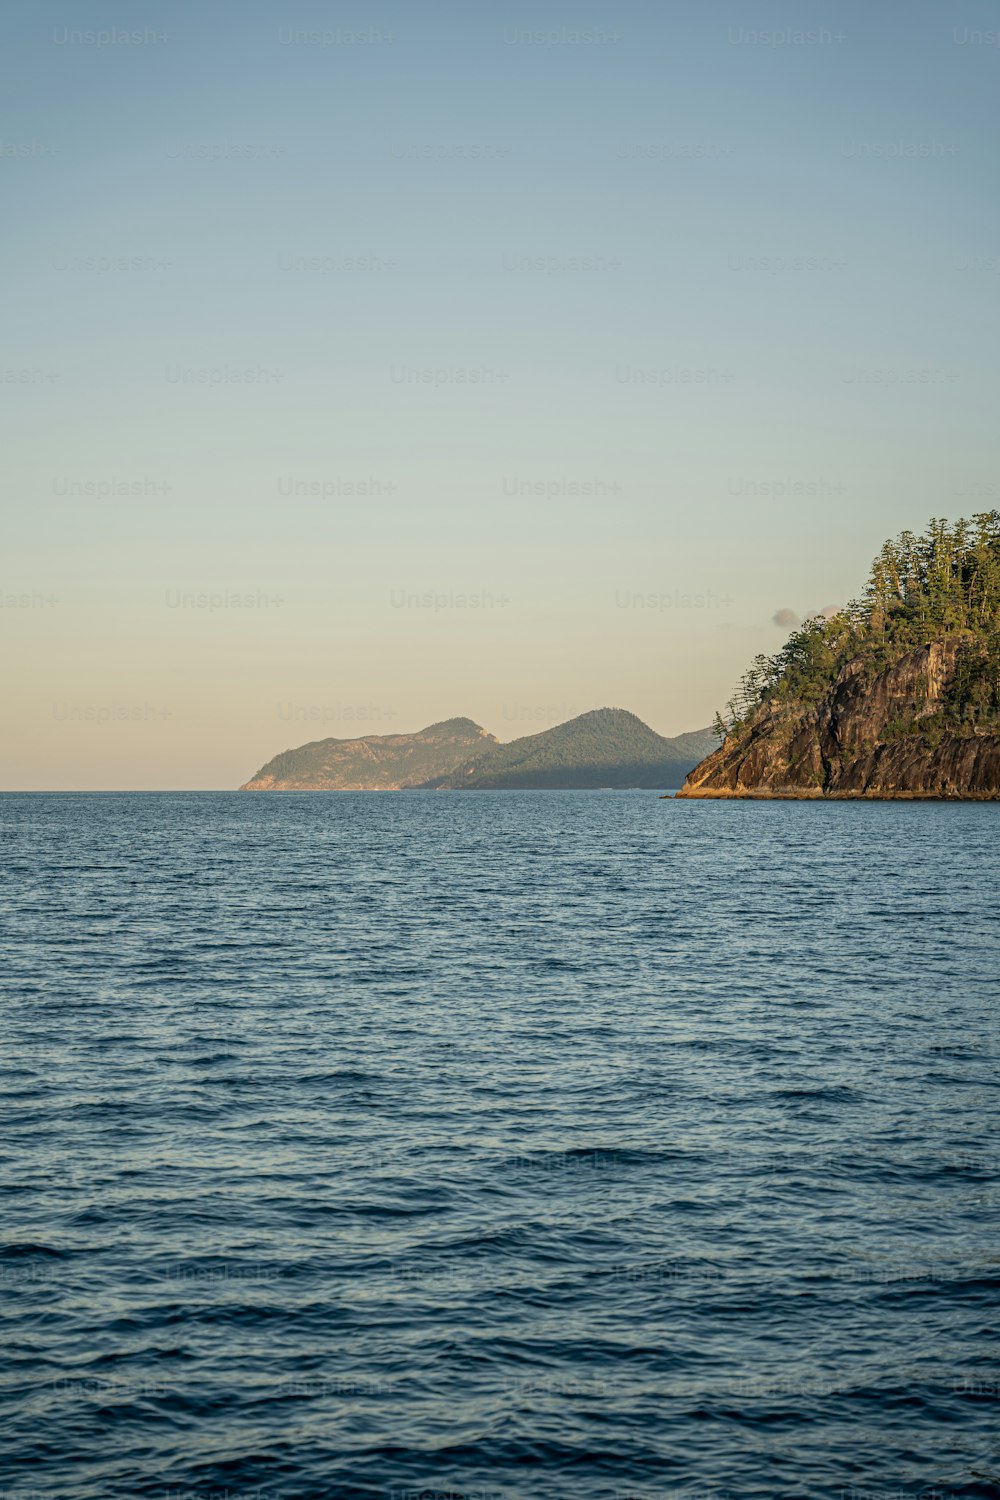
<point>606,748</point>
<point>895,696</point>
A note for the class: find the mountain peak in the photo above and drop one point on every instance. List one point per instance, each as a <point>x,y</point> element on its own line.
<point>449,729</point>
<point>605,747</point>
<point>609,717</point>
<point>373,762</point>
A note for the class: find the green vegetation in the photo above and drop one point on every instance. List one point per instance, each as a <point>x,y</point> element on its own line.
<point>944,583</point>
<point>608,747</point>
<point>377,761</point>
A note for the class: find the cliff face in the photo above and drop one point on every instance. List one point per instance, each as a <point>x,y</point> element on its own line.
<point>848,744</point>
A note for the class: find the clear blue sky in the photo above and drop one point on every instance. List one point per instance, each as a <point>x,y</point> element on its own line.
<point>681,255</point>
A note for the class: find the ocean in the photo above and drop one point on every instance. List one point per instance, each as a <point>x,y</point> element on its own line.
<point>530,1145</point>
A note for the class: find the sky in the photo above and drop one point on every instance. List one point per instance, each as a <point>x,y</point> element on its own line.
<point>368,366</point>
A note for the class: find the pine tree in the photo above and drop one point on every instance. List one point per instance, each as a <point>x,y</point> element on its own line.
<point>944,581</point>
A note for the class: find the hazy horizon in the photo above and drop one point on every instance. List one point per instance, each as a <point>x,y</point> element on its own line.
<point>370,720</point>
<point>638,328</point>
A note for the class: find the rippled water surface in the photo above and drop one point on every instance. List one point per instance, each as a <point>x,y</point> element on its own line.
<point>500,1144</point>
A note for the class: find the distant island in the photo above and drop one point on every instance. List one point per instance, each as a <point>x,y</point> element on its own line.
<point>608,747</point>
<point>897,695</point>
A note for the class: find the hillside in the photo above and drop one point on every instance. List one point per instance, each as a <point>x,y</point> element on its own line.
<point>606,748</point>
<point>375,762</point>
<point>898,695</point>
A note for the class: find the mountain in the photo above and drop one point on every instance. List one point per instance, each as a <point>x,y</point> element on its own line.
<point>606,748</point>
<point>376,762</point>
<point>898,695</point>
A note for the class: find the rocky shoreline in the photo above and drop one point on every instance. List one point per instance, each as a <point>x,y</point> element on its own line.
<point>863,740</point>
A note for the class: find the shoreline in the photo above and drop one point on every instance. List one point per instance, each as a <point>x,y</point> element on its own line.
<point>799,795</point>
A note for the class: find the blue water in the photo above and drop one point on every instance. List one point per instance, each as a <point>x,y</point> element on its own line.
<point>498,1144</point>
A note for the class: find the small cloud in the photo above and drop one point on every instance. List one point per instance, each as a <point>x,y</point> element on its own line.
<point>828,611</point>
<point>785,617</point>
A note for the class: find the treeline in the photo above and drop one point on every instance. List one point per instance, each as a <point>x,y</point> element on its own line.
<point>946,581</point>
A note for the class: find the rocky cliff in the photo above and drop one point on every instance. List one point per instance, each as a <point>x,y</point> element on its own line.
<point>867,736</point>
